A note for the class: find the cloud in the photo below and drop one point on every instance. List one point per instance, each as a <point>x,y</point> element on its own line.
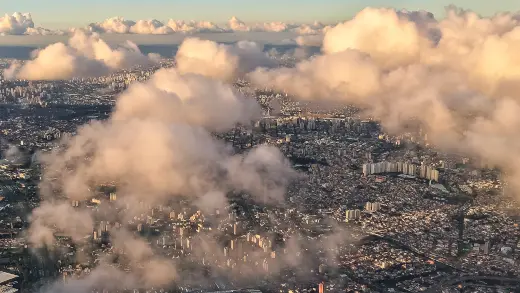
<point>55,217</point>
<point>237,25</point>
<point>23,24</point>
<point>16,24</point>
<point>458,77</point>
<point>310,40</point>
<point>220,61</point>
<point>40,31</point>
<point>391,40</point>
<point>84,56</point>
<point>157,143</point>
<point>149,269</point>
<point>119,25</point>
<point>112,25</point>
<point>15,155</point>
<point>194,26</point>
<point>171,97</point>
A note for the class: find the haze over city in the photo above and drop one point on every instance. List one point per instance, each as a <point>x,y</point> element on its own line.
<point>226,146</point>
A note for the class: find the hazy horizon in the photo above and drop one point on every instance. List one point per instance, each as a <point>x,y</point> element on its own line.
<point>144,39</point>
<point>60,14</point>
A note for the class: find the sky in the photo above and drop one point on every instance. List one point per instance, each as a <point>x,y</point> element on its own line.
<point>56,14</point>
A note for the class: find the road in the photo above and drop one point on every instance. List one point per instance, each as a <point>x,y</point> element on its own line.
<point>461,279</point>
<point>432,257</point>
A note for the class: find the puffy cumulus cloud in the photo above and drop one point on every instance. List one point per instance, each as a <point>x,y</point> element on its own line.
<point>206,58</point>
<point>57,61</point>
<point>481,48</point>
<point>20,24</point>
<point>309,79</point>
<point>124,56</point>
<point>112,25</point>
<point>84,56</point>
<point>152,159</point>
<point>175,97</point>
<point>237,25</point>
<point>23,24</point>
<point>150,27</point>
<point>157,146</point>
<point>16,24</point>
<point>120,25</point>
<point>458,78</point>
<point>275,26</point>
<point>311,29</point>
<point>389,39</point>
<point>194,26</point>
<point>220,61</point>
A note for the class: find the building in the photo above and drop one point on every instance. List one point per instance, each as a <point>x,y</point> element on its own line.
<point>9,283</point>
<point>352,215</point>
<point>372,207</point>
<point>425,172</point>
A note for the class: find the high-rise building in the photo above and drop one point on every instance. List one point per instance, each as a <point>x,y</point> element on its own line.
<point>372,207</point>
<point>366,169</point>
<point>485,247</point>
<point>351,215</point>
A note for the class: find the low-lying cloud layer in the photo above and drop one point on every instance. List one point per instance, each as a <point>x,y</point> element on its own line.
<point>85,55</point>
<point>122,26</point>
<point>158,145</point>
<point>458,77</point>
<point>23,24</point>
<point>219,61</point>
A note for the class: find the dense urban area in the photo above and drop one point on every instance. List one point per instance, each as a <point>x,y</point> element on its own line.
<point>372,212</point>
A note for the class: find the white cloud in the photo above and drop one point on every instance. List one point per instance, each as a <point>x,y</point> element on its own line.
<point>22,23</point>
<point>122,26</point>
<point>219,61</point>
<point>84,56</point>
<point>458,77</point>
<point>16,24</point>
